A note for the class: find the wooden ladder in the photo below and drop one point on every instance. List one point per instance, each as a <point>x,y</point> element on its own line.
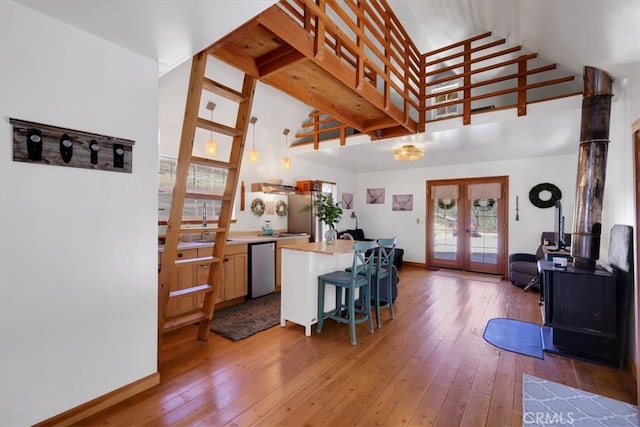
<point>197,84</point>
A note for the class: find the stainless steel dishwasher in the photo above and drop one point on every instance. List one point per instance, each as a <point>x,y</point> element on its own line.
<point>262,269</point>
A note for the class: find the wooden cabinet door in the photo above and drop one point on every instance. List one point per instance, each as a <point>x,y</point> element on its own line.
<point>234,272</point>
<point>203,277</point>
<point>186,278</point>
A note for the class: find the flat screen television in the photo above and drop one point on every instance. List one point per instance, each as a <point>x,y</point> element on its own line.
<point>558,227</point>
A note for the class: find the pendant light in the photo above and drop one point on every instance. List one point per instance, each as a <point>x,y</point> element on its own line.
<point>253,154</point>
<point>211,148</point>
<point>286,160</point>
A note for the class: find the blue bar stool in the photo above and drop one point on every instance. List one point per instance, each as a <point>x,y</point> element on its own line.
<point>358,278</point>
<point>383,270</point>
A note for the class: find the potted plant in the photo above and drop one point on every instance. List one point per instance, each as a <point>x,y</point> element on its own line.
<point>328,212</point>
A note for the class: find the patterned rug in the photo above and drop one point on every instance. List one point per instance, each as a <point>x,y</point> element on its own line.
<point>552,404</point>
<point>467,275</point>
<point>243,320</point>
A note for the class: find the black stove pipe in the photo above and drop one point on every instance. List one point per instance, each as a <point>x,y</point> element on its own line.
<point>592,165</point>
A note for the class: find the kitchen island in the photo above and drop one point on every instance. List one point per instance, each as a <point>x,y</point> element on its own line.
<point>301,266</point>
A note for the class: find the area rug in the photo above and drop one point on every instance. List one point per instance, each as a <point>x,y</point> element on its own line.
<point>243,320</point>
<point>552,404</point>
<point>515,335</point>
<point>466,275</point>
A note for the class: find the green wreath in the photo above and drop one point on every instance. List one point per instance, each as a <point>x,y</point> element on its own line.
<point>257,206</point>
<point>446,206</point>
<point>534,195</point>
<point>281,208</point>
<point>484,207</point>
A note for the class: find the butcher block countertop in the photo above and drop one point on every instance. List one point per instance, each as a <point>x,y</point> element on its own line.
<point>339,247</point>
<point>242,240</point>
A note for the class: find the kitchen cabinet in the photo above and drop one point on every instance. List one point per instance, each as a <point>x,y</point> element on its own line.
<point>186,277</point>
<point>279,244</point>
<point>234,272</point>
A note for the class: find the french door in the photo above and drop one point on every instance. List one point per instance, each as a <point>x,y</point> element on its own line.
<point>467,227</point>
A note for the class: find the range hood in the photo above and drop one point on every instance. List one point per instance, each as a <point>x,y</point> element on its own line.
<point>267,187</point>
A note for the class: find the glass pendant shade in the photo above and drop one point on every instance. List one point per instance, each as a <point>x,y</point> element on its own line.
<point>211,148</point>
<point>286,162</point>
<point>408,152</point>
<point>253,155</point>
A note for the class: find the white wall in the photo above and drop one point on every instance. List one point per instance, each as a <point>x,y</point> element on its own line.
<point>78,280</point>
<point>409,226</point>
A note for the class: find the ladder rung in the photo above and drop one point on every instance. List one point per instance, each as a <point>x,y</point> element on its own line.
<point>202,260</point>
<point>200,289</point>
<point>218,127</point>
<point>190,230</point>
<point>206,196</point>
<point>213,163</point>
<point>184,320</point>
<point>223,91</point>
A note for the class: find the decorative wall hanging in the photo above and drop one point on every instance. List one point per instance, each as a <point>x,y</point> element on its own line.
<point>51,145</point>
<point>281,208</point>
<point>402,202</point>
<point>446,204</point>
<point>517,209</point>
<point>347,201</point>
<point>270,207</point>
<point>375,196</point>
<point>257,206</point>
<point>534,195</point>
<point>484,205</point>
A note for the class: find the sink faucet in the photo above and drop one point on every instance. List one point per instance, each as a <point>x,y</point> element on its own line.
<point>204,214</point>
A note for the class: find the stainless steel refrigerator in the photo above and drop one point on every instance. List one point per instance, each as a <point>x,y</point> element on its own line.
<point>300,221</point>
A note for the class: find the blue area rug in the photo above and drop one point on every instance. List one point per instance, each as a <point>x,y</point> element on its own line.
<point>515,335</point>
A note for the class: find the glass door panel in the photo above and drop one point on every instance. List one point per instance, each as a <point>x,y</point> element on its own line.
<point>444,237</point>
<point>483,234</point>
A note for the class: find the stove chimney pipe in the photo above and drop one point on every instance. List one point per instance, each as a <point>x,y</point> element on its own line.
<point>592,165</point>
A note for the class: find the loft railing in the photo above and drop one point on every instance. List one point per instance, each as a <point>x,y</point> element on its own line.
<point>368,38</point>
<point>467,63</point>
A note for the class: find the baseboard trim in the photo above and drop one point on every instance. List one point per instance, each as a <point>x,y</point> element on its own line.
<point>103,402</point>
<point>415,264</point>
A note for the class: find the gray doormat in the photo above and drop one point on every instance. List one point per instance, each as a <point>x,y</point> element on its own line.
<point>243,320</point>
<point>552,404</point>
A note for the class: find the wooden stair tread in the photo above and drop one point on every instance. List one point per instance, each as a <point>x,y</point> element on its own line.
<point>205,196</point>
<point>200,260</point>
<point>223,91</point>
<point>217,127</point>
<point>181,321</point>
<point>213,163</point>
<point>191,291</point>
<point>189,230</point>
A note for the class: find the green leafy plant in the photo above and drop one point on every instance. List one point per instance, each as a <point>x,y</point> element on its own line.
<point>326,210</point>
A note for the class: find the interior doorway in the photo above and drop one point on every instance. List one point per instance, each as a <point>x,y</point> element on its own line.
<point>466,224</point>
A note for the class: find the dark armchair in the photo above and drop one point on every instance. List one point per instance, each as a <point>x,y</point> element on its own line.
<point>358,234</point>
<point>523,267</point>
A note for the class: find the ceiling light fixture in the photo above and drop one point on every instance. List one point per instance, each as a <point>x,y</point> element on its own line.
<point>408,152</point>
<point>253,154</point>
<point>286,160</point>
<point>211,148</point>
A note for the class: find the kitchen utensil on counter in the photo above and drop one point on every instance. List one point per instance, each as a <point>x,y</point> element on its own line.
<point>266,229</point>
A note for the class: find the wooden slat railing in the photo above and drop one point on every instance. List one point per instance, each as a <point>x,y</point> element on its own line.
<point>437,62</point>
<point>370,39</point>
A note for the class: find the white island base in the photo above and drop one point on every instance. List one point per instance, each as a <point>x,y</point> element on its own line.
<point>301,266</point>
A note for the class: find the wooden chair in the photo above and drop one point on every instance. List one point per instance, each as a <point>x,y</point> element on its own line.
<point>358,278</point>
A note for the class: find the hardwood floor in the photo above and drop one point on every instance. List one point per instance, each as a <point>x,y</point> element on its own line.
<point>429,365</point>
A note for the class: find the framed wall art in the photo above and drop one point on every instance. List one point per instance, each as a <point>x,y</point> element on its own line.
<point>375,196</point>
<point>347,200</point>
<point>402,202</point>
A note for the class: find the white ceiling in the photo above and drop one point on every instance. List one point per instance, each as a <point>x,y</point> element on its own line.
<point>601,33</point>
